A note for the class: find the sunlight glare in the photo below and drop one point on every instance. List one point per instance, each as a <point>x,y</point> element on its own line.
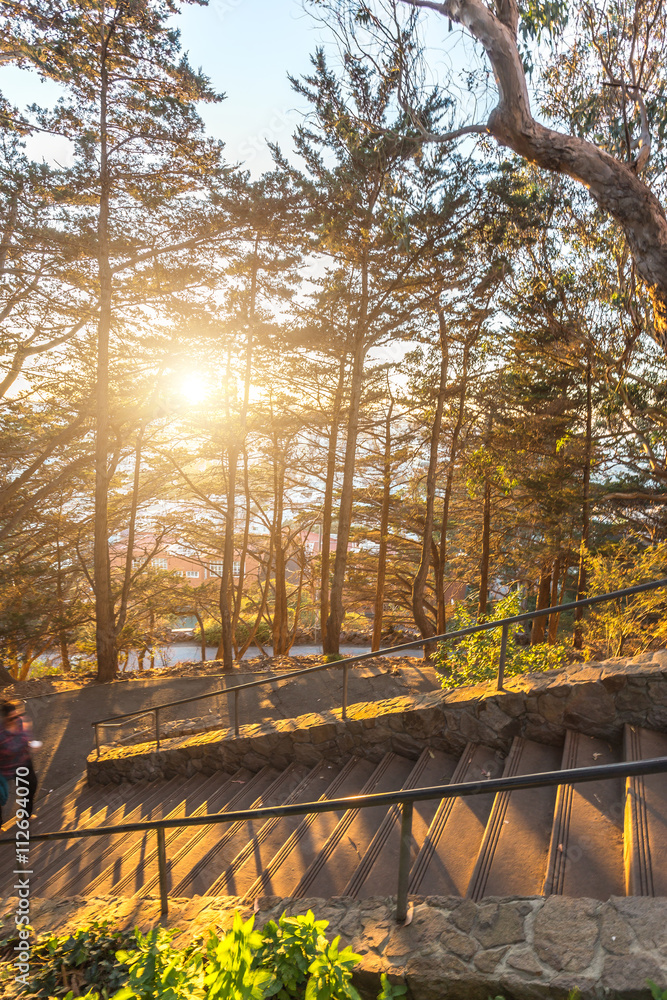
<point>194,387</point>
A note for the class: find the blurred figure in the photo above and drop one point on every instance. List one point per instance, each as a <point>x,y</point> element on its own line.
<point>15,744</point>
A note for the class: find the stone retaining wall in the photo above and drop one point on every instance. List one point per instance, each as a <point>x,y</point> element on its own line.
<point>451,949</point>
<point>595,698</point>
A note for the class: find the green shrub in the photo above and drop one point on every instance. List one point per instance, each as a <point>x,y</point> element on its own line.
<point>86,958</point>
<point>288,959</point>
<point>213,632</point>
<point>630,624</point>
<point>475,659</point>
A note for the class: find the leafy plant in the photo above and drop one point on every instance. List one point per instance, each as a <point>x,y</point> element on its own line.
<point>289,947</point>
<point>331,974</point>
<point>232,967</point>
<point>83,959</point>
<point>656,992</point>
<point>389,990</point>
<point>475,659</point>
<point>631,621</point>
<point>156,969</point>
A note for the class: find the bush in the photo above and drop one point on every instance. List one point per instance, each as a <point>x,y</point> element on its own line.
<point>630,624</point>
<point>213,632</point>
<point>475,659</point>
<point>289,959</point>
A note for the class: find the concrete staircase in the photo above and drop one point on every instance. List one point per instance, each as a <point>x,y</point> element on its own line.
<point>599,839</point>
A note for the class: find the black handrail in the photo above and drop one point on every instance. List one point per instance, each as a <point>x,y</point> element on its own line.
<point>405,798</point>
<point>503,623</point>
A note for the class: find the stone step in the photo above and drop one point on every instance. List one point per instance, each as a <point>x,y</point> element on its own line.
<point>126,875</point>
<point>586,847</point>
<point>287,867</point>
<point>513,854</point>
<point>252,859</point>
<point>645,847</point>
<point>374,874</point>
<point>339,856</point>
<point>217,850</point>
<point>184,849</point>
<point>89,856</point>
<point>92,807</point>
<point>446,860</point>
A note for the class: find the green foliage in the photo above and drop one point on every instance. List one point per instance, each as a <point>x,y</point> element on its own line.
<point>475,659</point>
<point>288,959</point>
<point>656,992</point>
<point>330,974</point>
<point>232,969</point>
<point>213,632</point>
<point>390,991</point>
<point>289,947</point>
<point>85,958</point>
<point>632,621</point>
<point>156,969</point>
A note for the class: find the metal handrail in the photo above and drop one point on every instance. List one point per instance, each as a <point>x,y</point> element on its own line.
<point>405,798</point>
<point>503,623</point>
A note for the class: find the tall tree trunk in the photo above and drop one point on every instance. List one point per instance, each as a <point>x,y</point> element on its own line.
<point>228,618</point>
<point>243,555</point>
<point>280,630</point>
<point>202,636</point>
<point>65,664</point>
<point>585,506</point>
<point>121,616</point>
<point>555,618</point>
<point>553,600</point>
<point>486,550</point>
<point>327,505</point>
<point>419,612</point>
<point>543,594</point>
<point>225,651</point>
<point>105,633</point>
<point>453,452</point>
<point>337,612</point>
<point>384,529</point>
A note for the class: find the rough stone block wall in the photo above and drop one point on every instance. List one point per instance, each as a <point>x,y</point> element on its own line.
<point>451,949</point>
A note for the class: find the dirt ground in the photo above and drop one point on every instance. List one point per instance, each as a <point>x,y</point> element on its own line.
<point>62,711</point>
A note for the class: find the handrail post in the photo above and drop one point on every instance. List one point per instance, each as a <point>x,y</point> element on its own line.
<point>162,871</point>
<point>404,862</point>
<point>503,656</point>
<point>157,730</point>
<point>236,712</point>
<point>345,670</point>
<point>97,738</point>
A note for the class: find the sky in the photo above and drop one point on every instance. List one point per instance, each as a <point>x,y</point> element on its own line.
<point>247,48</point>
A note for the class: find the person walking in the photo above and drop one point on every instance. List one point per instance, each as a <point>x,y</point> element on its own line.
<point>15,744</point>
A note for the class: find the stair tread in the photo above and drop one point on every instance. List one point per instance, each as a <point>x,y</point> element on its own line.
<point>514,850</point>
<point>217,850</point>
<point>47,857</point>
<point>249,863</point>
<point>92,856</point>
<point>645,849</point>
<point>586,848</point>
<point>188,847</point>
<point>331,870</point>
<point>283,872</point>
<point>380,862</point>
<point>447,857</point>
<point>126,874</point>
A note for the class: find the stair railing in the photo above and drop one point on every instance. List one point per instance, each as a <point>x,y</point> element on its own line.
<point>503,623</point>
<point>404,798</point>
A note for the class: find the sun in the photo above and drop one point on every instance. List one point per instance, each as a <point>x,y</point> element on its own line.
<point>194,387</point>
